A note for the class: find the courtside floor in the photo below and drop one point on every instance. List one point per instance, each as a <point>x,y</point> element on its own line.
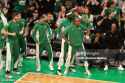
<point>28,75</point>
<point>44,78</point>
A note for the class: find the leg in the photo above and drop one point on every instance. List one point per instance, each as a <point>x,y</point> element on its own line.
<point>120,59</point>
<point>86,62</point>
<point>22,49</point>
<point>73,58</point>
<point>38,52</point>
<point>8,59</point>
<point>50,55</point>
<point>38,57</point>
<point>65,50</point>
<point>106,62</point>
<point>61,57</point>
<point>72,65</point>
<point>15,54</point>
<point>67,64</point>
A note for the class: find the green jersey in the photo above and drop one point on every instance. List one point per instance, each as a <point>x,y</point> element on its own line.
<point>22,23</point>
<point>63,24</point>
<point>13,27</point>
<point>44,32</point>
<point>21,38</point>
<point>74,34</point>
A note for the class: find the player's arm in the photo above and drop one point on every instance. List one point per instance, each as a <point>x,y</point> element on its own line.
<point>22,31</point>
<point>101,21</point>
<point>64,35</point>
<point>5,32</point>
<point>11,33</point>
<point>33,32</point>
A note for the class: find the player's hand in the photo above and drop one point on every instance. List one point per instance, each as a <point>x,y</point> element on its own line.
<point>13,34</point>
<point>4,32</point>
<point>21,32</point>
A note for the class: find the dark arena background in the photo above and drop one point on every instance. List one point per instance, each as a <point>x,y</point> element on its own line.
<point>62,41</point>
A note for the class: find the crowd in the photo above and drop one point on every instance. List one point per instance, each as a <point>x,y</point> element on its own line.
<point>100,24</point>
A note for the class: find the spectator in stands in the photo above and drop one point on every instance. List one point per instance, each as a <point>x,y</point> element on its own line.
<point>113,40</point>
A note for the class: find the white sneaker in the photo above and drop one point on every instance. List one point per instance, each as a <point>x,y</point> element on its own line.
<point>18,72</point>
<point>38,68</point>
<point>51,67</point>
<point>8,76</point>
<point>65,72</point>
<point>73,70</point>
<point>20,62</point>
<point>59,68</point>
<point>120,68</point>
<point>88,72</point>
<point>106,68</point>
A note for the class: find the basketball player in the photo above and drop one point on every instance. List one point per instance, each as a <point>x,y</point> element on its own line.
<point>41,35</point>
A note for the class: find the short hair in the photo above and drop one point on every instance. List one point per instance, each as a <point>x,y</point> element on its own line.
<point>43,16</point>
<point>15,14</point>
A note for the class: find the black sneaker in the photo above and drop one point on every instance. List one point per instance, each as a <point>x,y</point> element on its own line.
<point>59,72</point>
<point>72,70</point>
<point>8,76</point>
<point>15,70</point>
<point>7,72</point>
